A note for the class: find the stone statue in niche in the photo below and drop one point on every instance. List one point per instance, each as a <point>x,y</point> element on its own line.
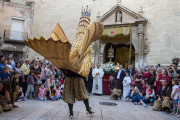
<point>118,17</point>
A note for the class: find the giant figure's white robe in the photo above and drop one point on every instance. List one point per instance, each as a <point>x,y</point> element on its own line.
<point>97,80</point>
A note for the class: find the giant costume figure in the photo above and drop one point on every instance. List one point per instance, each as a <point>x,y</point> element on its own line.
<point>72,57</point>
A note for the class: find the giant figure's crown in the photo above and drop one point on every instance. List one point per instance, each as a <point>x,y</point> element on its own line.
<point>71,55</point>
<point>85,12</point>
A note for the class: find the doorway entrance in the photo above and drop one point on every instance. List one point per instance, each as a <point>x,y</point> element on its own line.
<point>121,54</point>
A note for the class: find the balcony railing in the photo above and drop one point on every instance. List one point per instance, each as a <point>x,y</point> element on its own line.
<point>15,36</point>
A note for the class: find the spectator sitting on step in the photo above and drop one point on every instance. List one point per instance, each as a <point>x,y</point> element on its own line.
<point>59,91</point>
<point>53,95</point>
<point>5,73</point>
<point>22,97</point>
<point>42,93</point>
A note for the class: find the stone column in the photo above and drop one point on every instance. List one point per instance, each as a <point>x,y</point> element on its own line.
<point>141,44</point>
<point>97,48</point>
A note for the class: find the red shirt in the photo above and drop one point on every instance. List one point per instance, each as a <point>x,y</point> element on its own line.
<point>146,75</point>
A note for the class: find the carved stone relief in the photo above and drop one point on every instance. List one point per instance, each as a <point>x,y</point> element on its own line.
<point>146,46</point>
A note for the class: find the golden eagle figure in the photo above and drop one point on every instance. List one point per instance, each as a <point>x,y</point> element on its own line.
<point>71,55</point>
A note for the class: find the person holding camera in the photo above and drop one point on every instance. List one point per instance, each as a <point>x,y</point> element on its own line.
<point>173,72</point>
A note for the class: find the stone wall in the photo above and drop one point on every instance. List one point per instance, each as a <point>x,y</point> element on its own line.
<point>162,29</point>
<point>17,10</point>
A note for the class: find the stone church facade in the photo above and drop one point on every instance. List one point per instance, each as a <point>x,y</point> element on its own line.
<point>152,27</point>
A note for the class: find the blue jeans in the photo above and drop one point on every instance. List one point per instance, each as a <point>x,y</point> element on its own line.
<point>137,98</point>
<point>60,97</point>
<point>152,100</point>
<point>21,98</point>
<point>41,99</point>
<point>129,95</point>
<point>53,98</point>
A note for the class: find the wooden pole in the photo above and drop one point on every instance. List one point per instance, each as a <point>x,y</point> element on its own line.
<point>130,50</point>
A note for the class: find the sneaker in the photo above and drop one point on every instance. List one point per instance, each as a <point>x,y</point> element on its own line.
<point>36,98</point>
<point>135,103</point>
<point>126,100</point>
<point>176,114</point>
<point>144,105</point>
<point>57,99</point>
<point>25,99</point>
<point>172,113</point>
<point>52,99</point>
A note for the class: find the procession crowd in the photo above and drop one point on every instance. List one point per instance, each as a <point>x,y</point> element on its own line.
<point>25,79</point>
<point>158,86</point>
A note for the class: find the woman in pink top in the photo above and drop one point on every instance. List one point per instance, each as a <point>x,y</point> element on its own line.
<point>58,91</point>
<point>42,93</point>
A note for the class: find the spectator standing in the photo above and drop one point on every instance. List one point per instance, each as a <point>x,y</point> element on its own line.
<point>174,96</point>
<point>43,73</point>
<point>50,71</point>
<point>90,78</point>
<point>5,73</point>
<point>22,60</point>
<point>12,61</point>
<point>30,82</point>
<point>9,64</point>
<point>173,71</point>
<point>152,77</point>
<point>25,70</point>
<point>131,71</point>
<point>2,58</point>
<point>119,76</point>
<point>145,74</point>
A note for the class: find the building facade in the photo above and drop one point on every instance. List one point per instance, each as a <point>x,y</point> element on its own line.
<point>141,32</point>
<point>15,26</point>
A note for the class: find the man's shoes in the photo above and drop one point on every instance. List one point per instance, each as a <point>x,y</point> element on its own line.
<point>71,116</point>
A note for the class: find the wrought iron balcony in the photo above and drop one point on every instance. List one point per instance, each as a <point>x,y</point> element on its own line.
<point>15,36</point>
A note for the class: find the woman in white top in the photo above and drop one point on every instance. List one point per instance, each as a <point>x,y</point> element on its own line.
<point>126,85</point>
<point>50,71</point>
<point>49,83</point>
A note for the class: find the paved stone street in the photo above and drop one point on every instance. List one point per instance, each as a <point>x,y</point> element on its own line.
<point>58,110</point>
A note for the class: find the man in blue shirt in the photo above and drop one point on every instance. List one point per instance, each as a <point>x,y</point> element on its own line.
<point>5,73</point>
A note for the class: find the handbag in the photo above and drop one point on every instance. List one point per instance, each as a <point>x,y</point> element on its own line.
<point>96,86</point>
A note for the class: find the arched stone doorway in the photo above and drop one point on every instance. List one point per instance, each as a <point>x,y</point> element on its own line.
<point>121,54</point>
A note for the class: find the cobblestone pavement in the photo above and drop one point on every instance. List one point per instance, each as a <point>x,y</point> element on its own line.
<point>58,110</point>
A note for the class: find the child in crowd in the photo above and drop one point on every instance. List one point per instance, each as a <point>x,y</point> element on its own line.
<point>37,84</point>
<point>126,85</point>
<point>111,83</point>
<point>21,98</point>
<point>133,81</point>
<point>30,82</point>
<point>53,95</point>
<point>5,73</point>
<point>42,93</point>
<point>58,91</point>
<point>174,96</point>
